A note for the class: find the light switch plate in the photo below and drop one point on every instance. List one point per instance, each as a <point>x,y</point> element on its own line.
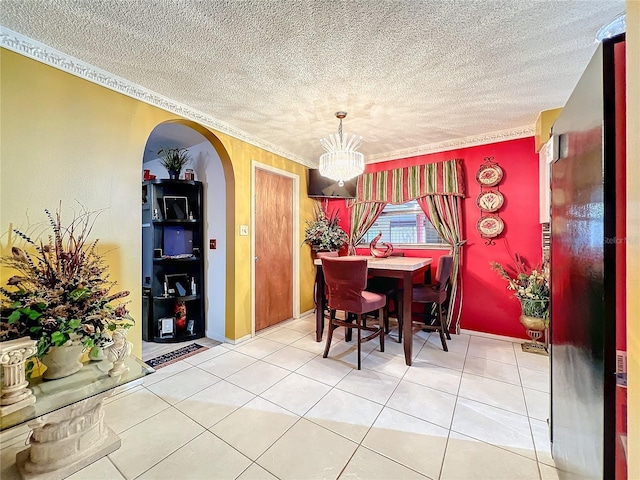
<point>244,229</point>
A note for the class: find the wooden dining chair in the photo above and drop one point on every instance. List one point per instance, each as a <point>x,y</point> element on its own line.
<point>435,293</point>
<point>346,279</point>
<point>322,255</point>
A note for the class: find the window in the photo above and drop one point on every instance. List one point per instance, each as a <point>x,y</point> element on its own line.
<point>404,225</point>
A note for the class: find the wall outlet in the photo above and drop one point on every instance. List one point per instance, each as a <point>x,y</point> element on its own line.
<point>213,244</point>
<point>244,230</point>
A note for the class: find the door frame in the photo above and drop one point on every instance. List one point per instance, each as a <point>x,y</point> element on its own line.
<point>295,232</point>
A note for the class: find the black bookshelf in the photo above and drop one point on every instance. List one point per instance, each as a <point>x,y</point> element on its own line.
<point>172,260</point>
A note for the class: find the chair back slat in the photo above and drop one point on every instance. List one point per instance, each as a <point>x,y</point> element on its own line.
<point>445,268</point>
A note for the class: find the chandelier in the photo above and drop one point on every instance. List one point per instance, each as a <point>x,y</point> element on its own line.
<point>341,162</point>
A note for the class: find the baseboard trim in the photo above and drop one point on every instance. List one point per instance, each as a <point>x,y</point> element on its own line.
<point>239,340</point>
<point>493,336</point>
<point>308,312</point>
<point>217,338</point>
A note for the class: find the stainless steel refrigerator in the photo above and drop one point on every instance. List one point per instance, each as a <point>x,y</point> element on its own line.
<point>588,410</point>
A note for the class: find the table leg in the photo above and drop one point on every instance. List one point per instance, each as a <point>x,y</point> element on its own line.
<point>66,440</point>
<point>320,303</point>
<point>407,327</point>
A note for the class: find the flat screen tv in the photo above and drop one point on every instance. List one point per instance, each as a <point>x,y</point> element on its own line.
<point>177,241</point>
<point>320,186</point>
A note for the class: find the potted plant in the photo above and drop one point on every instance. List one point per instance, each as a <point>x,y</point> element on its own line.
<point>61,293</point>
<point>324,233</point>
<point>174,159</point>
<point>531,287</point>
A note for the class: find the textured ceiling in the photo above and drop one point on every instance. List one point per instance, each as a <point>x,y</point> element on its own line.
<point>409,73</point>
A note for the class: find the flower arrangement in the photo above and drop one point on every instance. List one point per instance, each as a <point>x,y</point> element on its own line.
<point>61,293</point>
<point>174,159</point>
<point>324,232</point>
<point>530,286</point>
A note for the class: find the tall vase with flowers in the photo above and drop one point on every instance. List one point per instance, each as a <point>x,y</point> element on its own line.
<point>61,293</point>
<point>531,287</point>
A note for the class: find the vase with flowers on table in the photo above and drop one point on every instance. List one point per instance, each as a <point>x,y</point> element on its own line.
<point>324,233</point>
<point>61,295</point>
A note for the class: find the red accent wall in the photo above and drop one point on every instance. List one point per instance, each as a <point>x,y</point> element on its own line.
<point>487,304</point>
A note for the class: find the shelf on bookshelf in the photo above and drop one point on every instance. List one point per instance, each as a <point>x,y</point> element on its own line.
<point>186,298</point>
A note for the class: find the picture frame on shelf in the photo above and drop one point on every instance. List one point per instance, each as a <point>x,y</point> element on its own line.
<point>176,208</point>
<point>167,327</point>
<point>178,285</point>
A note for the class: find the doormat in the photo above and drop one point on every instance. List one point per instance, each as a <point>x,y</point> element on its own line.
<point>175,356</point>
<point>538,348</point>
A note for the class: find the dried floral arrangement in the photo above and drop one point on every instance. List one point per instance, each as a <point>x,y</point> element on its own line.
<point>61,292</point>
<point>324,232</point>
<point>529,285</point>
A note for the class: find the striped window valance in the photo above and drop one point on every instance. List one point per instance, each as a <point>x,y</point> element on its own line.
<point>404,184</point>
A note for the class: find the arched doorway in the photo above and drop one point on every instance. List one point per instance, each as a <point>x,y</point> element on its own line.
<point>211,166</point>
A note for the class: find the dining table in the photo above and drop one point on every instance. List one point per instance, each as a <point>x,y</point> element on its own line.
<point>403,268</point>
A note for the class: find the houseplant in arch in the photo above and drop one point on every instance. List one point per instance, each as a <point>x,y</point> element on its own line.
<point>531,287</point>
<point>174,160</point>
<point>61,292</point>
<point>324,233</point>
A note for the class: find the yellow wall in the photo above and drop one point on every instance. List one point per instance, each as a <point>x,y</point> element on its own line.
<point>66,139</point>
<point>633,235</point>
<point>544,122</point>
<point>241,155</point>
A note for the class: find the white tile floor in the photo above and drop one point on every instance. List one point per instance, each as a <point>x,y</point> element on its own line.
<point>273,408</point>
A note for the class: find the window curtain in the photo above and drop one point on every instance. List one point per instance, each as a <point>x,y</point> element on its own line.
<point>438,187</point>
<point>363,215</point>
<point>409,183</point>
<point>443,211</point>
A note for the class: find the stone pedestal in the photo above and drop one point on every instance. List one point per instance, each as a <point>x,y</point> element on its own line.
<point>67,440</point>
<point>15,392</point>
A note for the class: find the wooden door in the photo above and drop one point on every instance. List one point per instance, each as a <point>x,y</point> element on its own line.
<point>273,248</point>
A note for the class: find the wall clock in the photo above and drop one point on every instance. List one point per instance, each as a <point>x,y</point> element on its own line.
<point>490,226</point>
<point>490,201</point>
<point>489,175</point>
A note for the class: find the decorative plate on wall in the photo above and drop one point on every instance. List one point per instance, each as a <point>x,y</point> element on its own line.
<point>490,201</point>
<point>490,226</point>
<point>489,175</point>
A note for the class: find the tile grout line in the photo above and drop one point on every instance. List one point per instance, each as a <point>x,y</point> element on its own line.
<point>114,466</point>
<point>526,406</point>
<point>453,414</point>
<point>491,444</point>
<point>166,456</point>
<point>145,419</point>
<point>335,387</point>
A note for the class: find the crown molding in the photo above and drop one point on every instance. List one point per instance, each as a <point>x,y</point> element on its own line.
<point>40,52</point>
<point>464,142</point>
